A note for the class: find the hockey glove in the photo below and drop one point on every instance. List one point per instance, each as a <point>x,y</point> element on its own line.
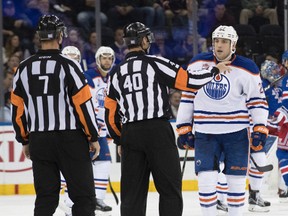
<point>186,138</point>
<point>258,137</point>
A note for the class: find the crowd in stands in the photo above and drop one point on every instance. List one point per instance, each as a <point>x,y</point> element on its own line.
<point>170,20</point>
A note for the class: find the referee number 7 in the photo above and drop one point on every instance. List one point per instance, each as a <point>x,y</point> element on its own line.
<point>46,79</point>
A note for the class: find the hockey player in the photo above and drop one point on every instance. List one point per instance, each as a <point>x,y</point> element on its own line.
<point>220,112</point>
<point>270,71</point>
<point>97,80</point>
<point>279,126</point>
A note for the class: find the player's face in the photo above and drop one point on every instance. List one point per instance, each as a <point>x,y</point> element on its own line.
<point>106,62</point>
<point>222,48</point>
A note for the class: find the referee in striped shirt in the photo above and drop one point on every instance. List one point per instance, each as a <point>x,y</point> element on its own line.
<point>53,117</point>
<point>136,114</point>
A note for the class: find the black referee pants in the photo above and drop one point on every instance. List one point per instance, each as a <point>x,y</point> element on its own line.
<point>149,147</point>
<point>68,152</point>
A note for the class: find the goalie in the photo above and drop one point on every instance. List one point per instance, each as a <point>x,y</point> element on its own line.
<point>279,126</point>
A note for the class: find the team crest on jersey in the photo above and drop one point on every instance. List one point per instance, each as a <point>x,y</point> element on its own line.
<point>218,88</point>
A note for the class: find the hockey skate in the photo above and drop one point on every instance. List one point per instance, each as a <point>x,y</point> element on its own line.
<point>222,206</point>
<point>101,206</point>
<point>283,196</point>
<point>256,203</point>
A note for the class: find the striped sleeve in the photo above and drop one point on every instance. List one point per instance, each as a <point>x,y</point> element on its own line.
<point>256,101</point>
<point>18,112</point>
<point>112,117</point>
<point>176,77</point>
<point>186,107</point>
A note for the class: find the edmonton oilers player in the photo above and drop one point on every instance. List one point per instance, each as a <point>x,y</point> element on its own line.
<point>105,59</point>
<point>220,111</point>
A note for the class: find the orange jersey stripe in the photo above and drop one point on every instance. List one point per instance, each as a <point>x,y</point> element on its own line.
<point>81,97</point>
<point>182,80</point>
<point>111,105</point>
<point>19,103</point>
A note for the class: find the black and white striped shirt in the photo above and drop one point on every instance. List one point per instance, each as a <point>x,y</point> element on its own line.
<point>139,89</point>
<point>50,93</point>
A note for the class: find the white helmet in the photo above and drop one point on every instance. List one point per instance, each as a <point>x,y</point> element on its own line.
<point>226,32</point>
<point>104,51</point>
<point>72,52</point>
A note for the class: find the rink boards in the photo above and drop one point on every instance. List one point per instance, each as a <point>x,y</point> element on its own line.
<point>16,171</point>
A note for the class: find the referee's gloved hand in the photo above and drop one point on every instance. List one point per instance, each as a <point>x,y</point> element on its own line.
<point>186,138</point>
<point>258,137</point>
<point>94,150</point>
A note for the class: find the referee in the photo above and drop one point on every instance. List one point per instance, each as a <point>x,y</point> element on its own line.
<point>137,113</point>
<point>53,117</point>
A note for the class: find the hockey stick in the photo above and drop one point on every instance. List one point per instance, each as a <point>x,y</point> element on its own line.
<point>275,81</point>
<point>113,191</point>
<point>184,162</point>
<point>266,168</point>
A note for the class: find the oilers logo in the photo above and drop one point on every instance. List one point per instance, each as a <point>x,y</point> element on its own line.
<point>218,88</point>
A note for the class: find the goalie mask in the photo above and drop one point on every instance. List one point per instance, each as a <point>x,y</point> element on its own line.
<point>270,70</point>
<point>105,51</point>
<point>225,32</point>
<point>50,27</point>
<point>72,52</point>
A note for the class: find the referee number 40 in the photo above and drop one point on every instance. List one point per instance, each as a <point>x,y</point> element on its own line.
<point>133,82</point>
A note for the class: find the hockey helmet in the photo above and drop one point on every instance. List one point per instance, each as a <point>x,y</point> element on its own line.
<point>270,70</point>
<point>226,32</point>
<point>50,27</point>
<point>72,52</point>
<point>104,51</point>
<point>134,33</point>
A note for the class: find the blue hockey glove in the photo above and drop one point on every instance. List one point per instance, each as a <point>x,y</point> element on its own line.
<point>258,137</point>
<point>186,138</point>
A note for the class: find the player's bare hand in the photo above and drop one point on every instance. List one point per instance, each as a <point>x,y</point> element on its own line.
<point>95,147</point>
<point>25,150</point>
<point>223,66</point>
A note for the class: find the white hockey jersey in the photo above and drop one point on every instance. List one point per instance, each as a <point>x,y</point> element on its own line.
<point>98,85</point>
<point>223,105</point>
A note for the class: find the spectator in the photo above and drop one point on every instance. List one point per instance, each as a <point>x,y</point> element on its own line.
<point>119,46</point>
<point>86,15</point>
<point>175,97</point>
<point>152,12</point>
<point>15,22</point>
<point>8,81</point>
<point>219,16</point>
<point>261,8</point>
<point>74,39</point>
<point>175,12</point>
<point>6,109</point>
<point>90,48</point>
<point>12,63</point>
<point>160,47</point>
<point>12,46</point>
<point>33,47</point>
<point>122,12</point>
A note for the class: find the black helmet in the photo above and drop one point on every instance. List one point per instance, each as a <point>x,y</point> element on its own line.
<point>50,27</point>
<point>134,32</point>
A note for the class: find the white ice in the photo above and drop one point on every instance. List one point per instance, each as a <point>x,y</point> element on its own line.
<point>22,205</point>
